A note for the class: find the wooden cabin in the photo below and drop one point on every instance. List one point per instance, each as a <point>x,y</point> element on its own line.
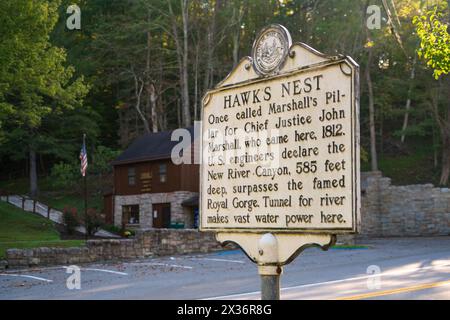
<point>149,190</point>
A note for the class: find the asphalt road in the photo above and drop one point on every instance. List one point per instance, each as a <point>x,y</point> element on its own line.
<point>417,268</point>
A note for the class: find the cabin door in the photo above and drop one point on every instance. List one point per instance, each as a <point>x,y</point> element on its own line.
<point>161,215</point>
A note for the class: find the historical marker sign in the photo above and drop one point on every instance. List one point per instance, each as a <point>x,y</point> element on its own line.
<point>281,142</point>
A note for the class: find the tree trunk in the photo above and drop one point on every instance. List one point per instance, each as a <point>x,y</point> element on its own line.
<point>238,14</point>
<point>381,125</point>
<point>211,36</point>
<point>443,123</point>
<point>33,173</point>
<point>151,90</point>
<point>445,173</point>
<point>393,28</point>
<point>182,58</point>
<point>160,107</point>
<point>179,113</point>
<point>185,84</point>
<point>445,131</point>
<point>153,99</point>
<point>373,138</point>
<point>196,99</point>
<point>236,40</point>
<point>408,100</point>
<point>435,149</point>
<point>138,87</point>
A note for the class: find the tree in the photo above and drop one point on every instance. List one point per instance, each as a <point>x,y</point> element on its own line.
<point>434,41</point>
<point>435,50</point>
<point>150,61</point>
<point>182,48</point>
<point>36,84</point>
<point>373,145</point>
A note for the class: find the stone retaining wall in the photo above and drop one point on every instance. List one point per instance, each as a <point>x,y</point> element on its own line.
<point>153,242</point>
<point>413,210</point>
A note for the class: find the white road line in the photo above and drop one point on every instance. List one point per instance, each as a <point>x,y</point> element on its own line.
<point>108,288</point>
<point>218,260</point>
<point>233,295</point>
<point>388,273</point>
<point>25,276</point>
<point>102,270</point>
<point>158,264</point>
<point>170,265</point>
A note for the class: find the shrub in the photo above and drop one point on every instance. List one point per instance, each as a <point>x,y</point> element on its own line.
<point>64,175</point>
<point>128,233</point>
<point>70,219</point>
<point>113,229</point>
<point>93,221</point>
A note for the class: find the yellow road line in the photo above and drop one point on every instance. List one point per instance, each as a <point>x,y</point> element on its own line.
<point>396,291</point>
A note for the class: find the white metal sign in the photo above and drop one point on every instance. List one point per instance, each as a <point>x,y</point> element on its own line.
<point>281,143</point>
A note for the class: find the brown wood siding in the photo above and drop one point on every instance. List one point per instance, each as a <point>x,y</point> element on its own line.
<point>108,208</point>
<point>179,178</point>
<point>190,177</point>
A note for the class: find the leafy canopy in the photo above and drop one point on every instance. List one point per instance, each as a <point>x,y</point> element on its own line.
<point>434,42</point>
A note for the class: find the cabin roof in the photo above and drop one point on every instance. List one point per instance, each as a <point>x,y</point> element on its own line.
<point>150,146</point>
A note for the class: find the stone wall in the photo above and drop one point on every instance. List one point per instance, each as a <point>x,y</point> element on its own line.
<point>413,210</point>
<point>153,242</point>
<point>146,201</point>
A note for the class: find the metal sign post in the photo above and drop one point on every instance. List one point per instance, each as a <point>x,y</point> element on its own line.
<point>272,251</point>
<point>270,283</point>
<point>280,153</point>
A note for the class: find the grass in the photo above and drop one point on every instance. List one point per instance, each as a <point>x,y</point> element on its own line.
<point>59,202</point>
<point>19,229</point>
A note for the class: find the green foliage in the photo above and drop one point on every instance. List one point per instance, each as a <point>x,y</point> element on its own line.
<point>128,233</point>
<point>102,160</point>
<point>112,228</point>
<point>39,93</point>
<point>64,175</point>
<point>70,219</point>
<point>34,80</point>
<point>47,104</point>
<point>364,155</point>
<point>434,41</point>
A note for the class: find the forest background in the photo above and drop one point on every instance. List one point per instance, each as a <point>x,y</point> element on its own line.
<point>138,66</point>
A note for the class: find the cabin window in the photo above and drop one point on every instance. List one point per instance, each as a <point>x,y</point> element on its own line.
<point>163,172</point>
<point>132,176</point>
<point>131,214</point>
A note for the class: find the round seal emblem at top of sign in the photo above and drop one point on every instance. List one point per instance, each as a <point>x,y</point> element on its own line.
<point>270,49</point>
